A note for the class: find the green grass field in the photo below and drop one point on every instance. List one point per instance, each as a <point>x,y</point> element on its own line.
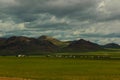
<point>41,68</point>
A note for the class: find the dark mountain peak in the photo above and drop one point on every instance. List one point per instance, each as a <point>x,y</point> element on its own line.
<point>83,45</point>
<point>18,39</point>
<point>111,45</point>
<point>81,42</point>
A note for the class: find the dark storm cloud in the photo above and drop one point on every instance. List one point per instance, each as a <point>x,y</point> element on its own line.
<point>27,10</point>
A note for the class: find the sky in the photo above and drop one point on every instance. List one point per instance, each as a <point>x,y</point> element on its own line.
<point>94,20</point>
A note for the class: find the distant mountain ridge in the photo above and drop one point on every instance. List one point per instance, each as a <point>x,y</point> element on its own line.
<point>111,45</point>
<point>45,44</point>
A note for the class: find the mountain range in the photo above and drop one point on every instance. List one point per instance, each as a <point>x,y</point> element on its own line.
<point>44,44</point>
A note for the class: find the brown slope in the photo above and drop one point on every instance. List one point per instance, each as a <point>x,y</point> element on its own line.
<point>53,40</point>
<point>28,44</point>
<point>83,45</point>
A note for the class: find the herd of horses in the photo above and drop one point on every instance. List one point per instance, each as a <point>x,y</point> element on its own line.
<point>92,57</point>
<point>82,56</point>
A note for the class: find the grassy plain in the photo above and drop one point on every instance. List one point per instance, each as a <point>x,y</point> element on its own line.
<point>42,68</point>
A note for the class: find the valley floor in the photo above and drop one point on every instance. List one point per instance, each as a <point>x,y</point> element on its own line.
<point>42,68</point>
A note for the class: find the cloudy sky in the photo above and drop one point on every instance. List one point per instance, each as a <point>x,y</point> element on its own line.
<point>94,20</point>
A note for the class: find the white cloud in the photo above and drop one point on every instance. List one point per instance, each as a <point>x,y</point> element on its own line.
<point>10,26</point>
<point>108,9</point>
